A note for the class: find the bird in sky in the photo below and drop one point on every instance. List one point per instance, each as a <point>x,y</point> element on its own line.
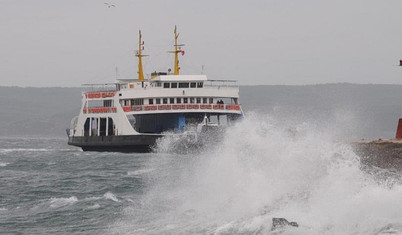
<point>109,5</point>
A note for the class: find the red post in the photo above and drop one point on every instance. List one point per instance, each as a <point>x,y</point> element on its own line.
<point>399,130</point>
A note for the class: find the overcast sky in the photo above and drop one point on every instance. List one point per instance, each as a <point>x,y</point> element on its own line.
<point>68,43</point>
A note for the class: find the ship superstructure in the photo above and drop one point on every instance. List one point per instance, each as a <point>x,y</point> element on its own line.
<point>131,114</point>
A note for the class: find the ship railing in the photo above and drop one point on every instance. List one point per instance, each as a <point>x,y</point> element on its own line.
<point>100,110</point>
<point>220,83</point>
<point>99,94</point>
<point>138,108</point>
<point>103,87</point>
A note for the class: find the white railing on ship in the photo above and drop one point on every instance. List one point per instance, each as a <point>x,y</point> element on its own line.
<point>163,107</point>
<point>101,87</point>
<point>220,83</point>
<point>137,108</point>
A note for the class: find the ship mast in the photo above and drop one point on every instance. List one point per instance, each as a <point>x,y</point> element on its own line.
<point>176,52</point>
<point>140,55</point>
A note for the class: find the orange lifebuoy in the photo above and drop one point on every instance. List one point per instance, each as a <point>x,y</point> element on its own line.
<point>196,106</point>
<point>216,106</point>
<point>175,106</point>
<point>182,106</point>
<point>161,107</point>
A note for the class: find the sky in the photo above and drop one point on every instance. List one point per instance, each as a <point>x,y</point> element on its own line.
<point>60,43</point>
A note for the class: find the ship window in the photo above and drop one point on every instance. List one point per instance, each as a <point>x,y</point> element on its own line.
<point>211,100</point>
<point>126,102</point>
<point>137,102</point>
<point>183,85</point>
<point>166,85</point>
<point>198,100</point>
<point>158,84</point>
<point>107,103</point>
<point>185,100</point>
<point>178,100</point>
<point>204,100</point>
<point>191,100</point>
<point>171,100</point>
<point>200,84</point>
<point>158,101</point>
<point>165,100</point>
<point>151,101</point>
<point>193,85</point>
<point>174,85</point>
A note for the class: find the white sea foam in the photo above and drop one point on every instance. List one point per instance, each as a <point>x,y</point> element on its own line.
<point>61,202</point>
<point>8,150</point>
<point>139,172</point>
<point>261,171</point>
<point>3,164</point>
<point>94,206</point>
<point>111,196</point>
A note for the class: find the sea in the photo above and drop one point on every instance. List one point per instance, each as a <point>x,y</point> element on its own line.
<point>258,171</point>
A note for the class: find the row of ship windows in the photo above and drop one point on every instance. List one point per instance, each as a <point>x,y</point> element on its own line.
<point>191,100</point>
<point>180,84</point>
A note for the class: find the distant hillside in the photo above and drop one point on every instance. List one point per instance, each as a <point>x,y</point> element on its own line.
<point>37,111</point>
<point>364,111</point>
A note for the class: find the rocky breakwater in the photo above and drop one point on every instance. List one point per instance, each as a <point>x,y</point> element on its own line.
<point>380,153</point>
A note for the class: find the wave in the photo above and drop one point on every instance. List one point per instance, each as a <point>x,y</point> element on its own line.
<point>94,206</point>
<point>8,150</point>
<point>3,164</point>
<point>62,202</point>
<point>111,196</point>
<point>262,170</point>
<point>139,172</point>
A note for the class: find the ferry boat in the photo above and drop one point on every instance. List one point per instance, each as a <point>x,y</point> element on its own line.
<point>130,115</point>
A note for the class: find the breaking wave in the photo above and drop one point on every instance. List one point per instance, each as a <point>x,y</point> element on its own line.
<point>111,196</point>
<point>61,202</point>
<point>259,171</point>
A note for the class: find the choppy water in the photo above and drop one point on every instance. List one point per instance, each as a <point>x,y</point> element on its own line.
<point>258,172</point>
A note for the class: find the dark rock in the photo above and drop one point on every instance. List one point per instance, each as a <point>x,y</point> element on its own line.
<point>386,154</point>
<point>282,222</point>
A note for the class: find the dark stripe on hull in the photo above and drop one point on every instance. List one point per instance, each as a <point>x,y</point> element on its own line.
<point>127,143</point>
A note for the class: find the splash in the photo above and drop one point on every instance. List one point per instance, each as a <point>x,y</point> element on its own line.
<point>262,170</point>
